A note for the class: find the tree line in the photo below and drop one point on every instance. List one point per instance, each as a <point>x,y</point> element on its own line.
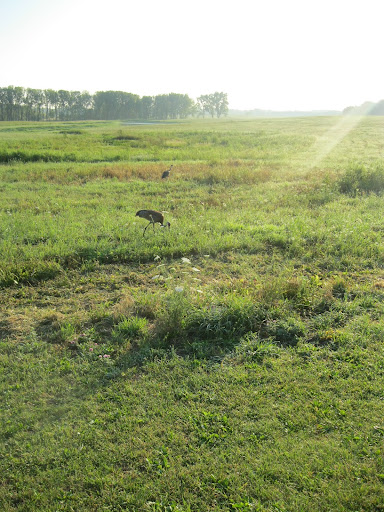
<point>368,108</point>
<point>26,104</point>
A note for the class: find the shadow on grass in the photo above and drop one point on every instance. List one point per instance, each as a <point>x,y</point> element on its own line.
<point>133,333</point>
<point>239,330</point>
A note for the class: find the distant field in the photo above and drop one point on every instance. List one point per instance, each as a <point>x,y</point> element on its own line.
<point>234,362</point>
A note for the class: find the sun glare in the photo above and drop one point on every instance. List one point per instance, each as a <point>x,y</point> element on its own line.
<point>332,137</point>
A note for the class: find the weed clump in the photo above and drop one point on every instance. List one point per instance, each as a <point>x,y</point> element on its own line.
<point>222,321</point>
<point>130,328</point>
<point>286,331</point>
<point>28,273</point>
<point>253,349</point>
<point>339,288</point>
<point>362,180</point>
<point>184,319</point>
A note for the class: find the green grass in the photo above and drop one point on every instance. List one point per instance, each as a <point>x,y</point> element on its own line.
<point>234,362</point>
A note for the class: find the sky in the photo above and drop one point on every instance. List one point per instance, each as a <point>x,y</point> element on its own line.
<point>265,54</point>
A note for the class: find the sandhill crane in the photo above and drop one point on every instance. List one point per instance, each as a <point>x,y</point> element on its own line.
<point>166,173</point>
<point>153,216</point>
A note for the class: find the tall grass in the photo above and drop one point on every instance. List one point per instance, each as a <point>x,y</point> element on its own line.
<point>362,180</point>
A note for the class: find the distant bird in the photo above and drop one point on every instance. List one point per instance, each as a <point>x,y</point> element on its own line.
<point>166,173</point>
<point>153,216</point>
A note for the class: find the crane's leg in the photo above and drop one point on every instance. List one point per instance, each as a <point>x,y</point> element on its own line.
<point>145,229</point>
<point>153,223</point>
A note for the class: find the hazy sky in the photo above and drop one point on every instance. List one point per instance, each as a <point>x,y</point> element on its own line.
<point>270,54</point>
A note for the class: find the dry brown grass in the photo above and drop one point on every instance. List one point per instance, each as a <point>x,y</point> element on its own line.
<point>233,171</point>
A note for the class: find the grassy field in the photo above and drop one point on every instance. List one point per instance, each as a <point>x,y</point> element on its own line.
<point>234,362</point>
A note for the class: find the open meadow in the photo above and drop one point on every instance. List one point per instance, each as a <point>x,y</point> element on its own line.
<point>232,362</point>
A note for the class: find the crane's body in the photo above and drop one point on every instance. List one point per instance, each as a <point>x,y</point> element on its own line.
<point>166,173</point>
<point>153,216</point>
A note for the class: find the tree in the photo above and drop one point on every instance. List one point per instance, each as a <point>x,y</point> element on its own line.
<point>3,100</point>
<point>215,104</point>
<point>116,105</point>
<point>172,106</point>
<point>206,104</point>
<point>51,100</point>
<point>184,106</point>
<point>19,94</point>
<point>160,107</point>
<point>86,101</point>
<point>129,105</point>
<point>202,105</point>
<point>63,104</point>
<point>102,105</point>
<point>378,109</point>
<point>146,107</point>
<point>31,98</point>
<point>13,98</point>
<point>220,102</point>
<point>17,103</point>
<point>79,105</point>
<point>39,102</point>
